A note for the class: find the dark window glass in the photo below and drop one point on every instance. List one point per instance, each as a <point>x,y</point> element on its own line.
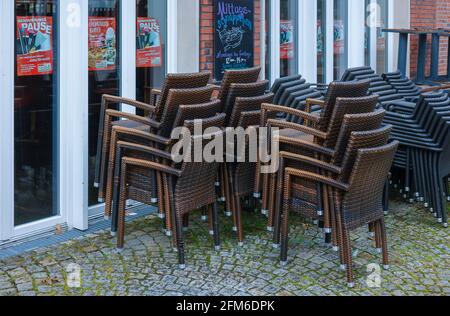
<point>35,111</point>
<point>321,41</point>
<point>267,39</point>
<point>104,70</point>
<point>288,37</point>
<point>340,37</point>
<point>151,56</point>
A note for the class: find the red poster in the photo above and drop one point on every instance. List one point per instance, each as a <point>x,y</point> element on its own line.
<point>34,45</point>
<point>149,51</point>
<point>287,39</point>
<point>102,43</point>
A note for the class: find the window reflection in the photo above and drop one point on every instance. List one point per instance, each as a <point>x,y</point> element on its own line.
<point>104,70</point>
<point>35,111</point>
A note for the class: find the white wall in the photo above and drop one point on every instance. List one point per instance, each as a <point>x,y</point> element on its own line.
<point>188,54</point>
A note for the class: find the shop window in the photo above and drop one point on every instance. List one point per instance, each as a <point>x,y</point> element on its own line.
<point>376,21</point>
<point>340,37</point>
<point>151,55</point>
<point>321,41</point>
<point>35,111</point>
<point>288,37</point>
<point>104,70</point>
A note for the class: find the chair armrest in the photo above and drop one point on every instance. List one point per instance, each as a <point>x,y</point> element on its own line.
<point>318,178</point>
<point>311,161</point>
<point>133,117</point>
<point>311,102</point>
<point>297,127</point>
<point>145,149</point>
<point>151,165</point>
<point>107,99</point>
<point>142,134</point>
<point>286,110</point>
<point>308,145</point>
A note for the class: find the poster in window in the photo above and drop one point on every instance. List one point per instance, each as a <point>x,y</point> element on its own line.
<point>102,43</point>
<point>287,39</point>
<point>339,37</point>
<point>34,45</point>
<point>148,43</point>
<point>233,35</point>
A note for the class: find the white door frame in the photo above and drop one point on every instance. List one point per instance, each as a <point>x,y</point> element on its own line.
<point>275,40</point>
<point>307,42</point>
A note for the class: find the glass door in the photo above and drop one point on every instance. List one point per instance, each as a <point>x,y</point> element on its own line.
<point>36,109</point>
<point>151,46</point>
<point>104,70</point>
<point>340,37</point>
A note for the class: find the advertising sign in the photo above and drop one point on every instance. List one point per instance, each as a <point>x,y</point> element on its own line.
<point>233,35</point>
<point>148,43</point>
<point>287,39</point>
<point>102,43</point>
<point>34,45</point>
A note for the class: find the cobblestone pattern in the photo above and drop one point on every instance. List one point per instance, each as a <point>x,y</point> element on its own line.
<point>419,250</point>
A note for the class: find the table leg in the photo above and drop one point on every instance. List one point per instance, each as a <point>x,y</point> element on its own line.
<point>421,59</point>
<point>403,53</point>
<point>435,57</point>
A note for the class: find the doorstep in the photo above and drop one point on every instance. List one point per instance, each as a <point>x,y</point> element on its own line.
<point>50,239</point>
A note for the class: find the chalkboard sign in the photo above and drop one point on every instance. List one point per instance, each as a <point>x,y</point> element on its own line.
<point>233,35</point>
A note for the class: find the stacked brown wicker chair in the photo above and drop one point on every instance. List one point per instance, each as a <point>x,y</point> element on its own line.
<point>230,77</point>
<point>240,177</point>
<point>357,191</point>
<point>317,134</point>
<point>331,150</point>
<point>190,186</point>
<point>181,105</point>
<point>153,111</point>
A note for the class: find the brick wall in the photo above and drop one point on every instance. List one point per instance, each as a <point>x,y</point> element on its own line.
<point>207,35</point>
<point>429,14</point>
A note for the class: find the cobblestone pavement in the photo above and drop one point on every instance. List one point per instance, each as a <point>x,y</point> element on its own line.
<point>419,250</point>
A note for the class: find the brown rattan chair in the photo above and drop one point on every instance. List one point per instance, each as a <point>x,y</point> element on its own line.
<point>150,181</point>
<point>163,128</point>
<point>153,111</point>
<point>315,135</point>
<point>190,187</point>
<point>357,192</point>
<point>239,177</point>
<point>250,75</point>
<point>319,155</point>
<point>320,122</point>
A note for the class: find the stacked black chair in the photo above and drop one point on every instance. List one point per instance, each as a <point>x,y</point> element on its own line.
<point>293,91</point>
<point>424,156</point>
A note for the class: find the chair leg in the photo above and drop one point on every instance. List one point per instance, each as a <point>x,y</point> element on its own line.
<point>227,186</point>
<point>169,213</point>
<point>284,234</point>
<point>210,211</point>
<point>178,221</point>
<point>271,205</point>
<point>161,203</point>
<point>240,231</point>
<point>110,176</point>
<point>105,146</point>
<point>215,220</point>
<point>265,195</point>
<point>121,209</point>
<point>348,257</point>
<point>278,205</point>
<point>384,243</point>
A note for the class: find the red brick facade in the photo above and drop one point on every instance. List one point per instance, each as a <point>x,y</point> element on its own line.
<point>207,35</point>
<point>429,14</point>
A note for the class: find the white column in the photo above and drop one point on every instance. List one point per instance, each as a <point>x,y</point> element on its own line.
<point>275,40</point>
<point>355,33</point>
<point>263,38</point>
<point>128,51</point>
<point>73,97</point>
<point>7,120</point>
<point>172,36</point>
<point>308,39</point>
<point>188,36</point>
